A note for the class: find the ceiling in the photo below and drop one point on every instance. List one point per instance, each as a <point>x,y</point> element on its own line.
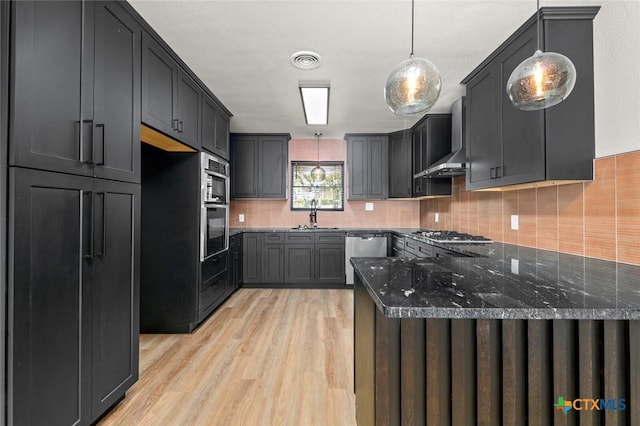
<point>240,49</point>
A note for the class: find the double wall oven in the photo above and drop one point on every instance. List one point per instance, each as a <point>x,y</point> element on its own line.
<point>214,225</point>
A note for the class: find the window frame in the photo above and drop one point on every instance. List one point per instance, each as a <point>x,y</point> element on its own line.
<point>339,164</point>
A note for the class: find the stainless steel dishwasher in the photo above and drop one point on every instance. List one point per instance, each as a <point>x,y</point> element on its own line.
<point>363,244</point>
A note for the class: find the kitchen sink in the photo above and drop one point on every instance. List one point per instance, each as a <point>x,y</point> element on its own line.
<point>319,228</point>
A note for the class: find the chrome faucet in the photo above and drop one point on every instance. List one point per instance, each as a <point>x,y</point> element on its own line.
<point>313,215</point>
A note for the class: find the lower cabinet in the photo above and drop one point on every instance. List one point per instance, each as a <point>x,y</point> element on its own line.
<point>306,259</point>
<point>214,284</point>
<point>235,262</point>
<point>74,294</point>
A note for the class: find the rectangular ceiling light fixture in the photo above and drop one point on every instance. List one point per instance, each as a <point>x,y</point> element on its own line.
<point>315,102</point>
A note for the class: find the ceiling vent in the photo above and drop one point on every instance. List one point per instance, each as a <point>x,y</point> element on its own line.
<point>305,60</point>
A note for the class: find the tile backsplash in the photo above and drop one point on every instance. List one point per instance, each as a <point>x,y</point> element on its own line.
<point>598,219</point>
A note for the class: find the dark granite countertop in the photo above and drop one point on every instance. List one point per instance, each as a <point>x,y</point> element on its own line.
<point>402,231</point>
<point>509,282</point>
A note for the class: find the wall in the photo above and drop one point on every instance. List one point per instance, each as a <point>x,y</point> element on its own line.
<point>598,219</point>
<point>277,213</point>
<point>616,50</point>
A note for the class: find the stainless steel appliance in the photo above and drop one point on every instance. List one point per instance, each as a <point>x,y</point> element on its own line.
<point>214,225</point>
<point>363,244</point>
<point>452,237</point>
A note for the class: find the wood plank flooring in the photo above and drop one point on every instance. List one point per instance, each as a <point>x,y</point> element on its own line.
<point>266,357</point>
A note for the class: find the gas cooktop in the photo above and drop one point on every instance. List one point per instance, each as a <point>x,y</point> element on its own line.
<point>452,237</point>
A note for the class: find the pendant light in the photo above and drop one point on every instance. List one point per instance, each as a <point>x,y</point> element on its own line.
<point>317,173</point>
<point>414,85</point>
<point>543,80</point>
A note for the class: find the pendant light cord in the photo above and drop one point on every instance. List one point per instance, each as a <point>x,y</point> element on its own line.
<point>538,21</point>
<point>412,19</point>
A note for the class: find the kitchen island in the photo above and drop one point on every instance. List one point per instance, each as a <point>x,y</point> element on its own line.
<point>497,339</point>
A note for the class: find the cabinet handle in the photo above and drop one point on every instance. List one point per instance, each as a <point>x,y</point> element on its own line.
<point>180,126</point>
<point>100,160</point>
<point>103,244</point>
<point>88,219</point>
<point>83,144</point>
<point>498,174</point>
<point>174,124</point>
<point>492,173</point>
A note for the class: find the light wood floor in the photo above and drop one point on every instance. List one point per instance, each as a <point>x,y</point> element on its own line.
<point>265,357</point>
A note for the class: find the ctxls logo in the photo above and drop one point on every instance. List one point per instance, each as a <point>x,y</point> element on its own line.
<point>582,404</point>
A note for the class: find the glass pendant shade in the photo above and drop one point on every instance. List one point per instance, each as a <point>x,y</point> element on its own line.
<point>541,81</point>
<point>412,87</point>
<point>317,174</point>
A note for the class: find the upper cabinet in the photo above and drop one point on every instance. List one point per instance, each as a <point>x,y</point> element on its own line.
<point>400,171</point>
<point>174,104</point>
<point>57,124</point>
<point>431,141</point>
<point>506,146</point>
<point>215,128</point>
<point>368,166</point>
<point>259,165</point>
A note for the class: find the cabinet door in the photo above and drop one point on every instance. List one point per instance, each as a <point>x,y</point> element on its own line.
<point>159,80</point>
<point>378,167</point>
<point>272,167</point>
<point>400,176</point>
<point>46,126</point>
<point>116,116</point>
<point>115,292</point>
<point>222,134</point>
<point>418,135</point>
<point>330,264</point>
<point>244,167</point>
<point>357,167</point>
<point>300,263</point>
<point>483,131</point>
<point>438,144</point>
<point>188,110</point>
<point>49,339</point>
<point>208,135</point>
<point>522,131</point>
<point>251,258</point>
<point>273,263</point>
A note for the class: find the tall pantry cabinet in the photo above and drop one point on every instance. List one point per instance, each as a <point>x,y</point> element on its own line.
<point>74,210</point>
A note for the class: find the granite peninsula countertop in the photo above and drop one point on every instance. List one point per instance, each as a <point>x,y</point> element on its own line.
<point>506,282</point>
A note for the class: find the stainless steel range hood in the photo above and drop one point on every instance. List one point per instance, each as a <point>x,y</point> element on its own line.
<point>453,164</point>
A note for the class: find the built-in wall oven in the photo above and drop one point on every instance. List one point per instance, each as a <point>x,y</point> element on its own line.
<point>214,226</point>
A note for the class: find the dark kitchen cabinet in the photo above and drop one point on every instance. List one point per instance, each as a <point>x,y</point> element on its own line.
<point>506,146</point>
<point>170,97</point>
<point>214,128</point>
<point>400,171</point>
<point>299,261</point>
<point>299,257</point>
<point>431,141</point>
<point>188,110</point>
<point>273,257</point>
<point>73,254</point>
<point>368,166</point>
<point>259,165</point>
<point>115,292</point>
<point>214,284</point>
<point>235,262</point>
<point>251,257</point>
<point>85,73</point>
<point>330,264</point>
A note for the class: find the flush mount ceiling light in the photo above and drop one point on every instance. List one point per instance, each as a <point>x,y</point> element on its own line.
<point>305,60</point>
<point>542,80</point>
<point>315,102</point>
<point>414,85</point>
<point>317,173</point>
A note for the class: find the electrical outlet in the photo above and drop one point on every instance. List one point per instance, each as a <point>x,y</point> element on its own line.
<point>515,266</point>
<point>240,217</point>
<point>514,222</point>
<point>437,217</point>
<point>368,207</point>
